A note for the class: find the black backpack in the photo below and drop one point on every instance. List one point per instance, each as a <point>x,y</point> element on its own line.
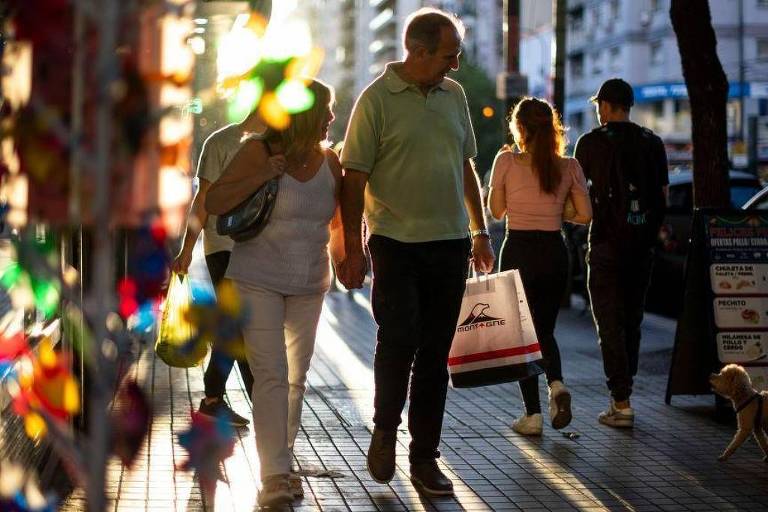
<point>629,203</point>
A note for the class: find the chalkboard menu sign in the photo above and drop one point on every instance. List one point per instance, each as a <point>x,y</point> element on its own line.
<point>725,312</point>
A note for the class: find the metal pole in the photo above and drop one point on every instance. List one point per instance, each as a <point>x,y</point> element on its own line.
<point>511,84</point>
<point>512,58</point>
<point>101,288</point>
<point>558,86</point>
<point>73,236</point>
<point>741,72</point>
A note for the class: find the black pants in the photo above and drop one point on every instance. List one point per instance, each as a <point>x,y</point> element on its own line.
<point>618,281</point>
<point>221,363</point>
<point>542,260</point>
<point>416,299</point>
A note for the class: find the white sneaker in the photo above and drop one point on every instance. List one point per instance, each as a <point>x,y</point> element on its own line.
<point>529,425</point>
<point>619,418</point>
<point>559,405</point>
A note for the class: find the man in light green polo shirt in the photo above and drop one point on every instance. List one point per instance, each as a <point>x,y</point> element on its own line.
<point>407,159</point>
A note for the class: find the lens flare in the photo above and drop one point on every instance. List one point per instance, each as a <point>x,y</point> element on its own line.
<point>245,99</point>
<point>294,96</point>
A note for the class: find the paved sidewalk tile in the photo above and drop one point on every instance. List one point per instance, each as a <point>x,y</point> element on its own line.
<point>667,462</point>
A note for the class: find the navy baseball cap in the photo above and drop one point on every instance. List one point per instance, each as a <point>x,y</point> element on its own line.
<point>615,91</point>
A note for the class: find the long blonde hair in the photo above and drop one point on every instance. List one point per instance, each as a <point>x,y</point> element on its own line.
<point>302,133</point>
<point>543,136</point>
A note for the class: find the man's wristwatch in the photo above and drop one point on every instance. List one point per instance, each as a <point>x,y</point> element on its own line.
<point>482,231</point>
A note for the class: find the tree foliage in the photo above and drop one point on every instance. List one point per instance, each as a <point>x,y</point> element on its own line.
<point>481,93</point>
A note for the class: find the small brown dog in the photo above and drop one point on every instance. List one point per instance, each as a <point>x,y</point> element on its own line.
<point>733,382</point>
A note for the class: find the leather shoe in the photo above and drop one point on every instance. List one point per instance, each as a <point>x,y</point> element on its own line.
<point>428,478</point>
<point>381,455</point>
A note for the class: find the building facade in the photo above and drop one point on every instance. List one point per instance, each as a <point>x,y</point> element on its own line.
<point>634,40</point>
<point>361,36</point>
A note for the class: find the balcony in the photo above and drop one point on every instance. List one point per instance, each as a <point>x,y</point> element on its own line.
<point>384,18</point>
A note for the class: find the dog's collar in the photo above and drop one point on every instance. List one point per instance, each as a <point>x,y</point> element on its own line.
<point>747,402</point>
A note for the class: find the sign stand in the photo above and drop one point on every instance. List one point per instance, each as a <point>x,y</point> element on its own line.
<point>725,312</point>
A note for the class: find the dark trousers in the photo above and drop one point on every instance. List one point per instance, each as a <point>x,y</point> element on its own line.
<point>542,260</point>
<point>221,363</point>
<point>618,280</point>
<point>416,299</point>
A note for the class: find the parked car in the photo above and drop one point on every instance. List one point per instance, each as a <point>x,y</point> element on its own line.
<point>758,201</point>
<point>665,294</point>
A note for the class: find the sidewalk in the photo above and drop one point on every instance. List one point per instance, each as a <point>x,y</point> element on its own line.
<point>668,462</point>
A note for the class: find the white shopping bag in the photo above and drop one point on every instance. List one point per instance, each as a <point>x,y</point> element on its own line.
<point>495,340</point>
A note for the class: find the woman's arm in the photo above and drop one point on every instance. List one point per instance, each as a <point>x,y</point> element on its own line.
<point>248,170</point>
<point>497,200</point>
<point>579,196</point>
<point>583,209</point>
<point>336,244</point>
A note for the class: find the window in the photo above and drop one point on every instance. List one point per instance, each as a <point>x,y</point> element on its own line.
<point>596,17</point>
<point>576,121</point>
<point>597,65</point>
<point>655,5</point>
<point>656,53</point>
<point>577,19</point>
<point>762,3</point>
<point>615,11</point>
<point>762,48</point>
<point>614,58</point>
<point>577,66</point>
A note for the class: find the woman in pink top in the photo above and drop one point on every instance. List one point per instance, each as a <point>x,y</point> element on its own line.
<point>532,188</point>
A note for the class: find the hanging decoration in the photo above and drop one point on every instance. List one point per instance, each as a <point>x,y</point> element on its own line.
<point>209,441</point>
<point>222,319</point>
<point>44,386</point>
<point>19,491</point>
<point>131,418</point>
<point>273,75</point>
<point>32,278</point>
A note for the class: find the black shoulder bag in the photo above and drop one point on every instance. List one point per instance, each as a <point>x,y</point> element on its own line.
<point>247,219</point>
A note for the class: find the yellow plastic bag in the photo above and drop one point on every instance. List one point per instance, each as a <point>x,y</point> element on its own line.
<point>177,341</point>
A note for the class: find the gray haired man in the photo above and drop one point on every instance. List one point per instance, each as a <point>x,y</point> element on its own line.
<point>407,159</point>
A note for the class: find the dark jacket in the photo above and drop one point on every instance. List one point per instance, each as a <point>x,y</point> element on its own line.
<point>628,149</point>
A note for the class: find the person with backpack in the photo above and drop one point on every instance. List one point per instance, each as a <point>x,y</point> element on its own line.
<point>627,166</point>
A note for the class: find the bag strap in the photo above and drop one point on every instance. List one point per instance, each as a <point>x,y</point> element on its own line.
<point>269,148</point>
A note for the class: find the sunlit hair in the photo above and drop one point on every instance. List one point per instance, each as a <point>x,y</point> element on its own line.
<point>537,130</point>
<point>303,133</point>
<point>422,28</point>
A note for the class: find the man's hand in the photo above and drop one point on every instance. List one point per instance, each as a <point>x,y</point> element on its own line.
<point>482,254</point>
<point>352,270</point>
<point>181,264</point>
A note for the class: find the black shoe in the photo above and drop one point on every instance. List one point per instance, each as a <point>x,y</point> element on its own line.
<point>220,407</point>
<point>381,455</point>
<point>428,478</point>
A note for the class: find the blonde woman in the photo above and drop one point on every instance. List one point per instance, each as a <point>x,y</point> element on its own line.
<point>531,188</point>
<point>282,275</point>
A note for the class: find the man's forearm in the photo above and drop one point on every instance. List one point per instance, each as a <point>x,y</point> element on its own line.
<point>472,198</point>
<point>352,202</point>
<point>196,219</point>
